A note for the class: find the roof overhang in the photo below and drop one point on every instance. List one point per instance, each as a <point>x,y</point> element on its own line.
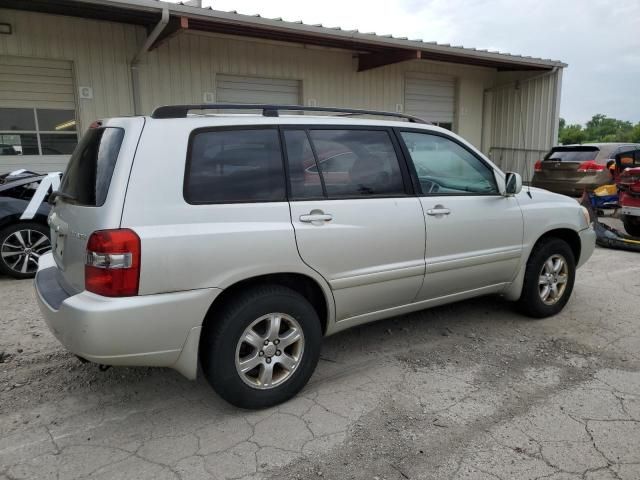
<point>373,50</point>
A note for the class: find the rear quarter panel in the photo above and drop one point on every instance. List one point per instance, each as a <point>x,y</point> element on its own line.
<point>186,246</point>
<point>77,222</point>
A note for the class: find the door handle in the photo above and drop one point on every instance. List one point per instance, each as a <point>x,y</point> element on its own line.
<point>438,210</point>
<point>316,216</point>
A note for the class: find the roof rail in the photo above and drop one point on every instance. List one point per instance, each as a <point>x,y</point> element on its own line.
<point>181,111</point>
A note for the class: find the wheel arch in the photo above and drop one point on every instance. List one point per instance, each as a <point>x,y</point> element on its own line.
<point>14,218</point>
<point>570,236</point>
<point>305,285</point>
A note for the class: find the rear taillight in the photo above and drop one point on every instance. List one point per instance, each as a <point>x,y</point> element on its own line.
<point>538,166</point>
<point>112,266</point>
<point>590,166</point>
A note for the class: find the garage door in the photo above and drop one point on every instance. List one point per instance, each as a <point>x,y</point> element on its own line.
<point>242,89</point>
<point>37,114</point>
<point>431,97</point>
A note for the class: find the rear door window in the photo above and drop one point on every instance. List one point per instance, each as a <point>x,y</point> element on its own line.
<point>572,154</point>
<point>348,163</point>
<point>234,166</point>
<point>88,175</point>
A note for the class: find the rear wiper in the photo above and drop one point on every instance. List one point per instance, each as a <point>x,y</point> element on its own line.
<point>58,194</point>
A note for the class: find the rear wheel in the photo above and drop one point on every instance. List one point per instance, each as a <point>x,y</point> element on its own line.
<point>631,225</point>
<point>262,348</point>
<point>549,278</point>
<point>21,246</point>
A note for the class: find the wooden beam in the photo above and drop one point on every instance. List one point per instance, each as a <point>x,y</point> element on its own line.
<point>368,61</point>
<point>174,27</point>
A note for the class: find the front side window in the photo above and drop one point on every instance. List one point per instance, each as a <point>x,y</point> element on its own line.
<point>444,167</point>
<point>347,164</point>
<point>37,131</point>
<point>234,166</point>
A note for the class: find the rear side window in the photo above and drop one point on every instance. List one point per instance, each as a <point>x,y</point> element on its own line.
<point>234,166</point>
<point>572,154</point>
<point>88,175</point>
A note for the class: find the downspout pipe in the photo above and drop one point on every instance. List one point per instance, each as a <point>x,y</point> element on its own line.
<point>135,61</point>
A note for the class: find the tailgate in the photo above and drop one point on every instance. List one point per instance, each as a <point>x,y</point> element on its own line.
<point>91,195</point>
<point>563,163</point>
<point>555,170</point>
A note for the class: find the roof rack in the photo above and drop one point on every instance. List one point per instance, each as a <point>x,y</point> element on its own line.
<point>181,111</point>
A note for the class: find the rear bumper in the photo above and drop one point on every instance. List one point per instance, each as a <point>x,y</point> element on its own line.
<point>571,189</point>
<point>587,245</point>
<point>631,211</point>
<point>146,330</point>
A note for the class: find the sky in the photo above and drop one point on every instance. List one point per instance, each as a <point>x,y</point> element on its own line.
<point>599,39</point>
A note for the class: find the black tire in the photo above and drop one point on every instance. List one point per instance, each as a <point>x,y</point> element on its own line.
<point>531,302</point>
<point>221,336</point>
<point>6,262</point>
<point>631,225</point>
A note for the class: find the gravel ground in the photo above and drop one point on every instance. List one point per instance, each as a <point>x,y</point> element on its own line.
<point>467,391</point>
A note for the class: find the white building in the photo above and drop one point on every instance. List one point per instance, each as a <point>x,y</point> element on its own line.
<point>66,63</point>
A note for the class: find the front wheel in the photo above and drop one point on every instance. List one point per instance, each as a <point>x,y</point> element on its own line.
<point>549,278</point>
<point>631,225</point>
<point>263,347</point>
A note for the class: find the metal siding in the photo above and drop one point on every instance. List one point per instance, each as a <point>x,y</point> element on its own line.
<point>98,51</point>
<point>525,116</point>
<point>75,52</point>
<point>182,69</point>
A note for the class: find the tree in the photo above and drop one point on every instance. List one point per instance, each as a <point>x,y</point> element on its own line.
<point>599,129</point>
<point>602,128</point>
<point>569,134</point>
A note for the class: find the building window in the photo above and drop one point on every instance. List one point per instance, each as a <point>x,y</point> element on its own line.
<point>37,131</point>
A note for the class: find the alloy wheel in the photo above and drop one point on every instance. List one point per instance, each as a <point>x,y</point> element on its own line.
<point>553,278</point>
<point>22,249</point>
<point>269,351</point>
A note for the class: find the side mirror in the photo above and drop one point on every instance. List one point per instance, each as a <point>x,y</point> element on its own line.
<point>513,183</point>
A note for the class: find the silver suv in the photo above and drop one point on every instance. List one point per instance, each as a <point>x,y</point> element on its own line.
<point>236,242</point>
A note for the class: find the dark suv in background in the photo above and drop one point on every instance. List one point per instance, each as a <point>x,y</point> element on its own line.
<point>570,169</point>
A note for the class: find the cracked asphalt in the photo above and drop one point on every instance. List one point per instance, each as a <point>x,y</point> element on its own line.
<point>467,391</point>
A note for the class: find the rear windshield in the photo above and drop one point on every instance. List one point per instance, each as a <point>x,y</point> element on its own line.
<point>572,154</point>
<point>88,175</point>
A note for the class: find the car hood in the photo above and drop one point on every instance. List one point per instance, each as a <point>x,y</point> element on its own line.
<point>540,194</point>
<point>8,185</point>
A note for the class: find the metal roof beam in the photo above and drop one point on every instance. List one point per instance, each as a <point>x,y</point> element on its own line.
<point>173,28</point>
<point>368,61</point>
